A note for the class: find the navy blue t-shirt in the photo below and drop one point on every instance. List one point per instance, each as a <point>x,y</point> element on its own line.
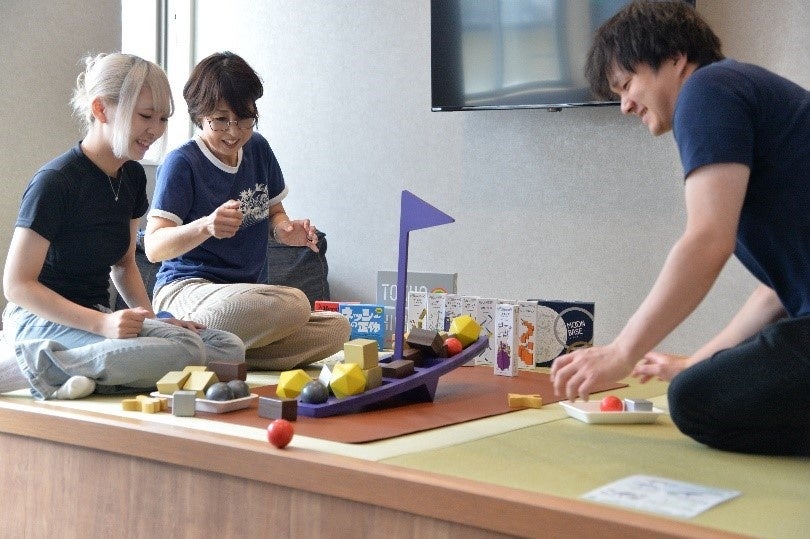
<point>192,183</point>
<point>731,112</point>
<point>71,203</point>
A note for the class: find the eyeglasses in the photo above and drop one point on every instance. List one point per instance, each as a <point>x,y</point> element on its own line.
<point>220,124</point>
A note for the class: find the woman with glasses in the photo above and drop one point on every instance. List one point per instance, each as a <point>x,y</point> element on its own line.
<point>217,200</point>
<point>76,228</point>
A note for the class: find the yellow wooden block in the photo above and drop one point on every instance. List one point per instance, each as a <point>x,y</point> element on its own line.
<point>364,352</point>
<point>517,400</point>
<point>199,381</point>
<point>465,328</point>
<point>172,381</point>
<point>149,405</point>
<point>193,368</point>
<point>131,405</point>
<point>291,383</point>
<point>347,379</point>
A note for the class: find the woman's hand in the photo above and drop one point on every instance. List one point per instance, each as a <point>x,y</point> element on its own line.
<point>225,221</point>
<point>187,324</point>
<point>124,324</point>
<point>298,233</point>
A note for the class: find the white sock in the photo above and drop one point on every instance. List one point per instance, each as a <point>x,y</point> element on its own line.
<point>77,387</point>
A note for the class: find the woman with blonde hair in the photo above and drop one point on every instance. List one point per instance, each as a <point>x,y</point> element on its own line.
<point>76,228</point>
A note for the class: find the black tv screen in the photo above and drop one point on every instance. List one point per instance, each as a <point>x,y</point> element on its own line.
<point>507,54</point>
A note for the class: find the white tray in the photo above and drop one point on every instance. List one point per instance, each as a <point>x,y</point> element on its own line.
<point>215,407</point>
<point>589,413</point>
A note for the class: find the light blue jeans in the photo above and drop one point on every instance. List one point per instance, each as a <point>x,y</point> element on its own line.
<point>49,353</point>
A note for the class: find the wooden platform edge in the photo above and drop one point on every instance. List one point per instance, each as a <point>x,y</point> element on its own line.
<point>483,506</point>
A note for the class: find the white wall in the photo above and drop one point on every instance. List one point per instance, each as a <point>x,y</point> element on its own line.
<point>43,42</point>
<point>581,204</point>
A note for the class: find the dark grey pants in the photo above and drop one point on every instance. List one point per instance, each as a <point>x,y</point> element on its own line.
<point>753,398</point>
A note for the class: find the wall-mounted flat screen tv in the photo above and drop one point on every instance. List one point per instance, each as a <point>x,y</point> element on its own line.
<point>507,54</point>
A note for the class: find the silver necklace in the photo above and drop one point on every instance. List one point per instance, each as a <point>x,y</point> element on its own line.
<point>114,192</point>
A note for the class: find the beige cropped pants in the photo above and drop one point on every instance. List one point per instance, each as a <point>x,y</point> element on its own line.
<point>278,328</point>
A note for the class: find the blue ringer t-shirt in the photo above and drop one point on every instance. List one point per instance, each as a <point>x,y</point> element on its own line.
<point>192,183</point>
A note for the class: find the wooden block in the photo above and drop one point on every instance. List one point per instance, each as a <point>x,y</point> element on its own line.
<point>192,368</point>
<point>637,405</point>
<point>465,328</point>
<point>373,377</point>
<point>517,400</point>
<point>290,383</point>
<point>199,381</point>
<point>150,405</point>
<point>131,405</point>
<point>398,368</point>
<point>227,371</point>
<point>184,403</point>
<point>412,354</point>
<point>428,341</point>
<point>172,381</point>
<point>347,379</point>
<point>325,376</point>
<point>272,408</point>
<point>364,352</point>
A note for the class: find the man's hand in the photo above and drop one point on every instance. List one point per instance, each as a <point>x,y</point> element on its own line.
<point>576,374</point>
<point>660,365</point>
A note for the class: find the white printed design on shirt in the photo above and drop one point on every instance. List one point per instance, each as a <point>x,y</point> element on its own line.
<point>255,205</point>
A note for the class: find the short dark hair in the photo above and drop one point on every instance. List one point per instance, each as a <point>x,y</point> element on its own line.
<point>222,76</point>
<point>649,32</point>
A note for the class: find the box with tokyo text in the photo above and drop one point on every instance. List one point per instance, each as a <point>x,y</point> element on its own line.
<point>561,326</point>
<point>367,321</point>
<point>417,282</point>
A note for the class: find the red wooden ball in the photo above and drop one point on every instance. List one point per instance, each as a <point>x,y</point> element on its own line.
<point>611,403</point>
<point>279,433</point>
<point>453,346</point>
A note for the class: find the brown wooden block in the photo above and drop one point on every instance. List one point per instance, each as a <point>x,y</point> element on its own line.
<point>398,368</point>
<point>428,341</point>
<point>412,354</point>
<point>227,371</point>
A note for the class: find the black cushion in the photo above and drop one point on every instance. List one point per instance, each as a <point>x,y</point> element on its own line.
<point>299,267</point>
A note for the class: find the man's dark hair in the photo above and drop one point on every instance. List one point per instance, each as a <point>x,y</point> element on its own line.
<point>649,32</point>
